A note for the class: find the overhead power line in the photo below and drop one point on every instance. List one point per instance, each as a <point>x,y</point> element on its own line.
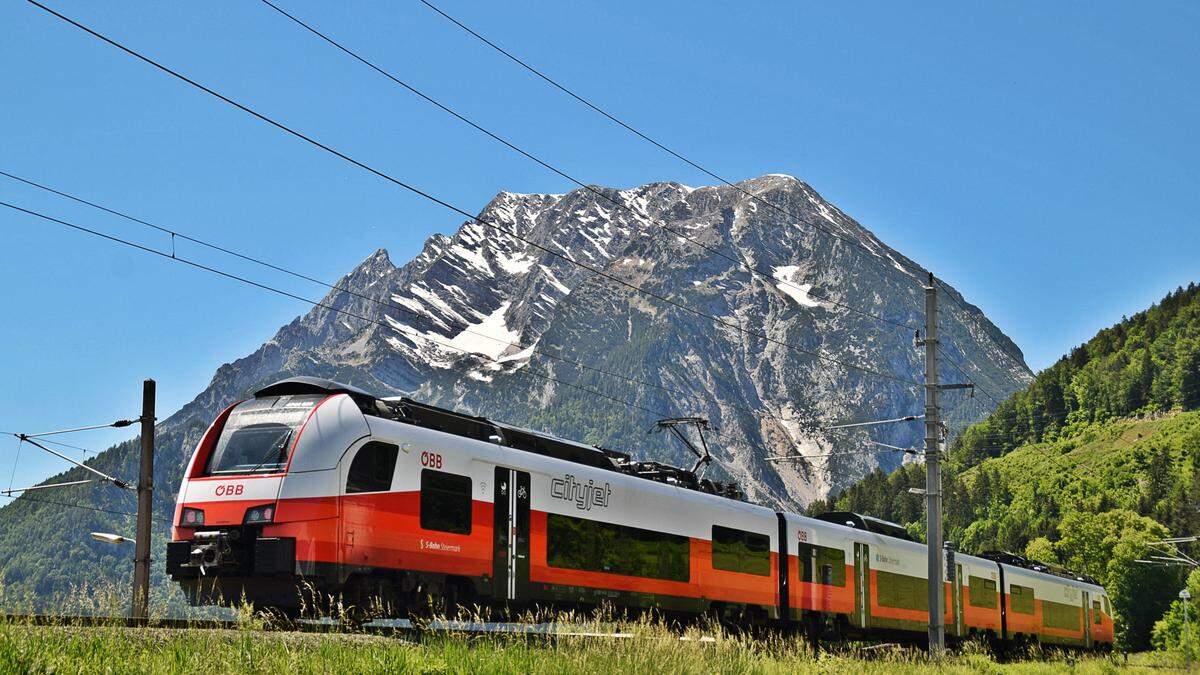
<point>628,127</point>
<point>529,371</point>
<point>906,418</point>
<point>28,498</point>
<point>46,486</point>
<point>314,303</point>
<point>107,478</point>
<point>754,271</point>
<point>884,447</point>
<point>382,303</point>
<point>483,221</point>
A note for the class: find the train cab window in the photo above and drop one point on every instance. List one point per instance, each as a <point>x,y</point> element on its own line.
<point>1096,619</point>
<point>1107,609</point>
<point>741,551</point>
<point>372,468</point>
<point>1021,599</point>
<point>445,502</point>
<point>593,546</point>
<point>982,592</point>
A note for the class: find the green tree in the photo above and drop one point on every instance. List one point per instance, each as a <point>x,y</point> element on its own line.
<point>1106,546</point>
<point>1168,633</point>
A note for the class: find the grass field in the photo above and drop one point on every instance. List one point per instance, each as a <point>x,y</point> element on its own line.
<point>651,649</point>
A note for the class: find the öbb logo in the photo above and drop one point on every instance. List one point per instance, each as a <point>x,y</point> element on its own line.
<point>230,490</point>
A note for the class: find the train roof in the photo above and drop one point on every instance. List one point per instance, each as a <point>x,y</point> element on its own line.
<point>309,385</point>
<point>868,523</point>
<point>404,409</point>
<point>1015,560</point>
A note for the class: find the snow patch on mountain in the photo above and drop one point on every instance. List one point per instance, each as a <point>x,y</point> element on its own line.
<point>784,275</point>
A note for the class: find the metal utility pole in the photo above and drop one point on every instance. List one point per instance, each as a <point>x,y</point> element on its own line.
<point>140,611</point>
<point>1185,595</point>
<point>933,475</point>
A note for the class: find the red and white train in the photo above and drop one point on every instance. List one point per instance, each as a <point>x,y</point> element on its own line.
<point>317,485</point>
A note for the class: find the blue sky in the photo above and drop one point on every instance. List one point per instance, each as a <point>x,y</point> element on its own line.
<point>1040,157</point>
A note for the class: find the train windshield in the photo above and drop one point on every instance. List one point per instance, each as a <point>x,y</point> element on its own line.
<point>259,434</point>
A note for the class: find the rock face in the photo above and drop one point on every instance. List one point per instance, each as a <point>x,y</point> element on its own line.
<point>486,322</point>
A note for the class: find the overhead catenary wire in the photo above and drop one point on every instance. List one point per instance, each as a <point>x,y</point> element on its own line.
<point>51,441</point>
<point>383,303</point>
<point>107,478</point>
<point>529,372</point>
<point>754,271</point>
<point>29,498</point>
<point>174,257</point>
<point>483,221</point>
<point>111,425</point>
<point>885,447</point>
<point>947,292</point>
<point>46,486</point>
<point>569,92</point>
<point>694,164</point>
<point>906,418</point>
<point>293,296</point>
<point>16,461</point>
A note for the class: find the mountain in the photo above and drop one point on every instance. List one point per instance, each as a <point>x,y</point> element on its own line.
<point>485,322</point>
<point>1097,456</point>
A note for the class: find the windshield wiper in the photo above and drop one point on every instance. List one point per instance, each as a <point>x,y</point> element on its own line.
<point>275,448</point>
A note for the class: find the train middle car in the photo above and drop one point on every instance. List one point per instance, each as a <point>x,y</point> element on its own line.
<point>314,487</point>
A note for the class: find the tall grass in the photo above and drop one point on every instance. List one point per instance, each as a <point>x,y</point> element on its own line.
<point>571,644</point>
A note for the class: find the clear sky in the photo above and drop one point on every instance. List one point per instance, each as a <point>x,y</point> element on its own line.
<point>1041,157</point>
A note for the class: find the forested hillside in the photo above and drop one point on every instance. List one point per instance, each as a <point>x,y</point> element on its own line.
<point>1100,454</point>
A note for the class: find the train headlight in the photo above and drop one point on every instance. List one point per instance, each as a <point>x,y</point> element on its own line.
<point>260,514</point>
<point>191,517</point>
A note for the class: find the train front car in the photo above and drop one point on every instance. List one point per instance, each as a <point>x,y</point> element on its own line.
<point>257,514</point>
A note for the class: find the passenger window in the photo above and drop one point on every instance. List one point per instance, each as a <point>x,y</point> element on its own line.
<point>590,545</point>
<point>1021,599</point>
<point>445,502</point>
<point>1096,612</point>
<point>831,564</point>
<point>901,591</point>
<point>740,551</point>
<point>372,468</point>
<point>982,592</point>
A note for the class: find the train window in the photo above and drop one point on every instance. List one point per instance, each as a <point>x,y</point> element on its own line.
<point>258,435</point>
<point>372,468</point>
<point>1107,609</point>
<point>982,592</point>
<point>1060,615</point>
<point>1096,612</point>
<point>445,502</point>
<point>593,546</point>
<point>901,591</point>
<point>741,551</point>
<point>804,556</point>
<point>830,566</point>
<point>1021,599</point>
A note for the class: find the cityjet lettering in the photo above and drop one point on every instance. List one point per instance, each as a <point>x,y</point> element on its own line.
<point>585,495</point>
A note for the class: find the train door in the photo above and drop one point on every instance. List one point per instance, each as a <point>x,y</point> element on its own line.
<point>862,583</point>
<point>1087,620</point>
<point>956,600</point>
<point>510,554</point>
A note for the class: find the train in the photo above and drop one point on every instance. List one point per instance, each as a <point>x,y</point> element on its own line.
<point>313,486</point>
